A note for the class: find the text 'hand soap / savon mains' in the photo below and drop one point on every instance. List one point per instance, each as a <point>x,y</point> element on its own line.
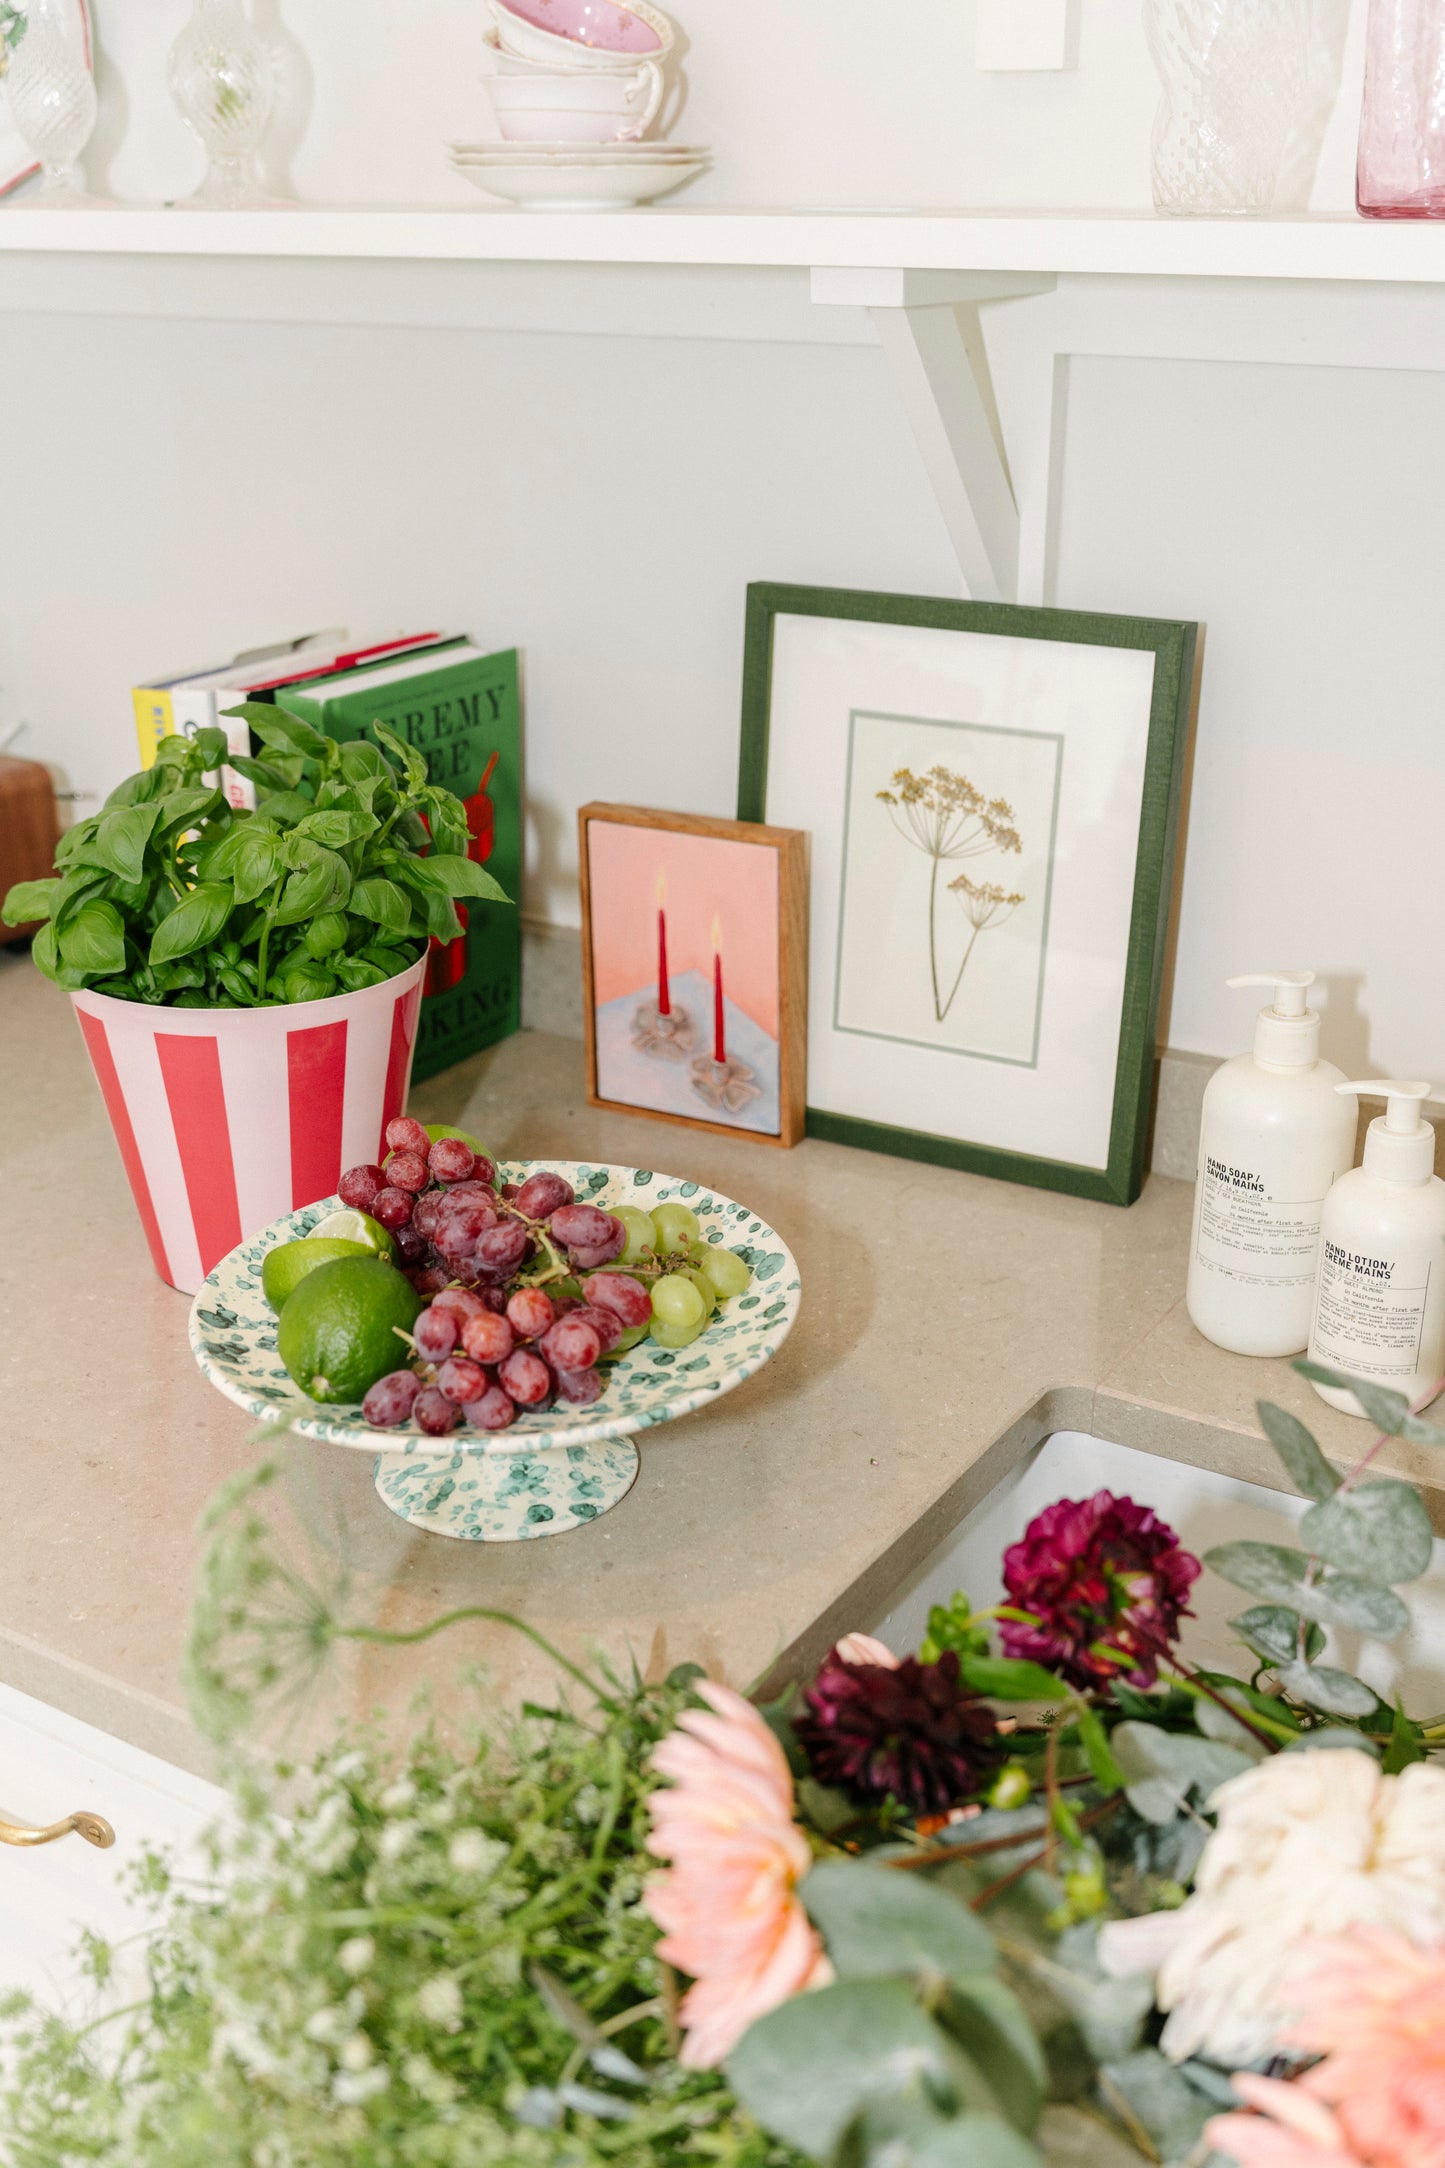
<point>1275,1134</point>
<point>1380,1303</point>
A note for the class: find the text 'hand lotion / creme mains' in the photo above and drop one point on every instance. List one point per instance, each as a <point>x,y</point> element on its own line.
<point>1274,1136</point>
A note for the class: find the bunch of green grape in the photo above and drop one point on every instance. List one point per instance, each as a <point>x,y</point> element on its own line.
<point>693,1276</point>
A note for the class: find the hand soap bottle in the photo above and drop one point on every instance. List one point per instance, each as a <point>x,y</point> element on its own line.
<point>1275,1134</point>
<point>1380,1303</point>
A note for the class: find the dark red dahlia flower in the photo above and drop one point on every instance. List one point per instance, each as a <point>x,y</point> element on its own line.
<point>1106,1580</point>
<point>914,1732</point>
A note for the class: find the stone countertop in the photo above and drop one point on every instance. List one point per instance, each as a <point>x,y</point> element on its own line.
<point>948,1324</point>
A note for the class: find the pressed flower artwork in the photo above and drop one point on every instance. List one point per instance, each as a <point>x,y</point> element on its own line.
<point>946,884</point>
<point>991,795</point>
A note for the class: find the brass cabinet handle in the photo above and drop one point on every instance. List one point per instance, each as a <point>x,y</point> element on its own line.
<point>94,1828</point>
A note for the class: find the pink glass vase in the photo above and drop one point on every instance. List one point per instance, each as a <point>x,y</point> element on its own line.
<point>1401,170</point>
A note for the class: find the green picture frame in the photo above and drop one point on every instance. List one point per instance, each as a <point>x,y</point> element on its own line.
<point>1173,645</point>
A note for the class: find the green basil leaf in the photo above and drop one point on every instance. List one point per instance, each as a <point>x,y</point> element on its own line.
<point>260,772</point>
<point>354,972</point>
<point>359,759</point>
<point>74,840</point>
<point>188,808</point>
<point>212,746</point>
<point>383,902</point>
<point>257,862</point>
<point>309,982</point>
<point>94,941</point>
<point>240,989</point>
<point>173,752</point>
<point>440,914</point>
<point>336,829</point>
<point>45,952</point>
<point>136,789</point>
<point>178,977</point>
<point>278,726</point>
<point>323,885</point>
<point>460,877</point>
<point>120,841</point>
<point>413,765</point>
<point>29,900</point>
<point>286,807</point>
<point>196,920</point>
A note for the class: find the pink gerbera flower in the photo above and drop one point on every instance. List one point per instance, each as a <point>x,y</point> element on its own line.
<point>728,1904</point>
<point>1373,2006</point>
<point>1105,1581</point>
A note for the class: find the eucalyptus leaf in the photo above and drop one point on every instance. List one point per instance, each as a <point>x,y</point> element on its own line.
<point>1386,1408</point>
<point>1272,1631</point>
<point>1334,1599</point>
<point>991,2025</point>
<point>1320,1686</point>
<point>1405,1744</point>
<point>964,2141</point>
<point>1160,2097</point>
<point>1216,1723</point>
<point>807,2069</point>
<point>196,920</point>
<point>1163,1767</point>
<point>876,1921</point>
<point>1304,1463</point>
<point>1378,1530</point>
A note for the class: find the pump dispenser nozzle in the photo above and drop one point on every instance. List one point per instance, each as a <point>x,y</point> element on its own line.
<point>1287,1035</point>
<point>1399,1144</point>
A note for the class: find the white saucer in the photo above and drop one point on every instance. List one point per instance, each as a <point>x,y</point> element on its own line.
<point>570,183</point>
<point>593,154</point>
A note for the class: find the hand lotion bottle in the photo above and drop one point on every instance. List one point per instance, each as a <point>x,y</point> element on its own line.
<point>1380,1303</point>
<point>1275,1134</point>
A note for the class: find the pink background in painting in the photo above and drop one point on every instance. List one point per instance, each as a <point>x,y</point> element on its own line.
<point>705,875</point>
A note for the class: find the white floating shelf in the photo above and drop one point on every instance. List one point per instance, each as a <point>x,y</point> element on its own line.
<point>1106,243</point>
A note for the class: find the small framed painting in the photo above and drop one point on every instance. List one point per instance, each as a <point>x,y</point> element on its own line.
<point>694,951</point>
<point>992,795</point>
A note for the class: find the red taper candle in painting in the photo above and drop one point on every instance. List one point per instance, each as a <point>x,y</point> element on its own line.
<point>664,995</point>
<point>719,1042</point>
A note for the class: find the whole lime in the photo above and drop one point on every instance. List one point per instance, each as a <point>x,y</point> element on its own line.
<point>339,1330</point>
<point>287,1265</point>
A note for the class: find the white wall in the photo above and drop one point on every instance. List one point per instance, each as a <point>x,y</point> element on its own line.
<point>171,487</point>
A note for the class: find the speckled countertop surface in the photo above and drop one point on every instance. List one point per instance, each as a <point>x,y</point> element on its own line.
<point>948,1324</point>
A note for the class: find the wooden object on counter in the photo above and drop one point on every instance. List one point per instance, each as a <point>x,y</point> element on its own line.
<point>29,829</point>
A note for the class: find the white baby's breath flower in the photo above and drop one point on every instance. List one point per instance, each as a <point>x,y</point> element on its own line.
<point>426,2080</point>
<point>356,2052</point>
<point>351,2088</point>
<point>395,1841</point>
<point>398,1796</point>
<point>472,1851</point>
<point>335,2021</point>
<point>355,1955</point>
<point>440,2002</point>
<point>1307,1843</point>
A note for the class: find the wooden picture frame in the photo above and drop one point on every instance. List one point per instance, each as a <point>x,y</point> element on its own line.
<point>634,1038</point>
<point>819,681</point>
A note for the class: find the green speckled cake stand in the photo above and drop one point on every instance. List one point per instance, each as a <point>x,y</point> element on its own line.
<point>553,1470</point>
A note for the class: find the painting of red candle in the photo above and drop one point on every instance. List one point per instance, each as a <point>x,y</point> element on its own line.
<point>694,944</point>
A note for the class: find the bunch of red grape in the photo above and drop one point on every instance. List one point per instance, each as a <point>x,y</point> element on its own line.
<point>494,1340</point>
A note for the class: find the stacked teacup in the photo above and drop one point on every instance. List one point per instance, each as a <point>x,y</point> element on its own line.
<point>575,86</point>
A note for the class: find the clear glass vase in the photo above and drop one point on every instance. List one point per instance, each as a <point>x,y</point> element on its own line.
<point>52,97</point>
<point>1401,170</point>
<point>1235,75</point>
<point>222,76</point>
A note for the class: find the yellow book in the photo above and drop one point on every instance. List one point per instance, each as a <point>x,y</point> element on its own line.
<point>154,719</point>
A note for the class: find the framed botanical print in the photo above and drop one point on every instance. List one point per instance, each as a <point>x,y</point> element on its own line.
<point>694,947</point>
<point>992,795</point>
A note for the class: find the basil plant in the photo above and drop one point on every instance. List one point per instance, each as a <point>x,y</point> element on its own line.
<point>350,862</point>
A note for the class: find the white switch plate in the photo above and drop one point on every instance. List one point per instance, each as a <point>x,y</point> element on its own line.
<point>1022,34</point>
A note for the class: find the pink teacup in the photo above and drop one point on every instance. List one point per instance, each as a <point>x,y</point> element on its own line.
<point>590,34</point>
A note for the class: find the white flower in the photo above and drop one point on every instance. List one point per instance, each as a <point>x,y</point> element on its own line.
<point>440,2002</point>
<point>395,1840</point>
<point>355,2052</point>
<point>1307,1843</point>
<point>472,1851</point>
<point>355,1956</point>
<point>351,2088</point>
<point>398,1796</point>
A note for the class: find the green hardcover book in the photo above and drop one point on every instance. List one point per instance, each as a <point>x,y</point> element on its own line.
<point>460,708</point>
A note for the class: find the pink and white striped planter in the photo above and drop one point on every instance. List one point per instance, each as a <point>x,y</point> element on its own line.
<point>228,1118</point>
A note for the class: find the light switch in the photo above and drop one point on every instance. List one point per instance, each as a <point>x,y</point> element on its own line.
<point>1022,34</point>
